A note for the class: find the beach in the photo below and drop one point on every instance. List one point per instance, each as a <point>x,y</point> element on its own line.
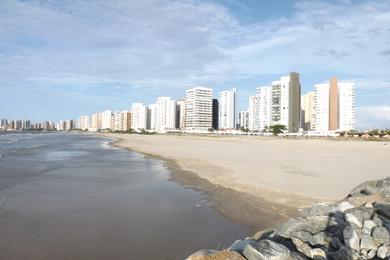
<point>289,172</point>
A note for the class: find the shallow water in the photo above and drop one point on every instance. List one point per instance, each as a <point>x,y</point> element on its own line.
<point>73,196</point>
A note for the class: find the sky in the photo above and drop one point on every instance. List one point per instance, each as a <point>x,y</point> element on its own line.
<point>62,59</point>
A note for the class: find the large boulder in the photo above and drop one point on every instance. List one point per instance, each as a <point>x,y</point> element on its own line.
<point>215,255</point>
<point>267,250</point>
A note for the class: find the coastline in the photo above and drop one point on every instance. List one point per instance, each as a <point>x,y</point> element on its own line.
<point>259,207</point>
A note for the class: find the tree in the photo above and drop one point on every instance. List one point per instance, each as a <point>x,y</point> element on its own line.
<point>277,129</point>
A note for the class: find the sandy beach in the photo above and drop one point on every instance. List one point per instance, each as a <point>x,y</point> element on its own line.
<point>285,171</point>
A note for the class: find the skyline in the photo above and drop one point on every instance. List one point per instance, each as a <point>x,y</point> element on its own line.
<point>75,62</point>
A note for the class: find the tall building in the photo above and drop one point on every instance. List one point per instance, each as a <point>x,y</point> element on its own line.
<point>96,121</point>
<point>279,103</point>
<point>264,107</point>
<point>121,121</point>
<point>107,119</point>
<point>252,114</point>
<point>152,117</point>
<point>335,106</point>
<point>227,109</point>
<point>138,116</point>
<point>243,117</point>
<point>181,114</point>
<point>215,119</point>
<point>84,122</point>
<point>199,108</point>
<point>166,114</point>
<point>308,106</point>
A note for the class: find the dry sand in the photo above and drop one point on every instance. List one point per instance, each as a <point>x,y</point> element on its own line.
<point>291,172</point>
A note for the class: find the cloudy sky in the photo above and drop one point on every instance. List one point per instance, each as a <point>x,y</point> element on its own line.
<point>60,59</point>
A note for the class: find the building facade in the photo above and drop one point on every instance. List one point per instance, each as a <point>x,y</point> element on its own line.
<point>227,109</point>
<point>138,116</point>
<point>199,108</point>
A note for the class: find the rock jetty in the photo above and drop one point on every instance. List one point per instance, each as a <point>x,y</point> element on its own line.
<point>356,227</point>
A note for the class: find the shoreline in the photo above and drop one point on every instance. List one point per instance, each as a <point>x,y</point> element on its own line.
<point>262,182</point>
<point>239,207</point>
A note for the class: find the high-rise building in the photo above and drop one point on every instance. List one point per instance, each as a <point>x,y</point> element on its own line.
<point>243,117</point>
<point>96,121</point>
<point>215,119</point>
<point>152,117</point>
<point>107,119</point>
<point>121,121</point>
<point>166,114</point>
<point>181,114</point>
<point>335,106</point>
<point>84,122</point>
<point>138,116</point>
<point>252,114</point>
<point>308,106</point>
<point>227,109</point>
<point>199,108</point>
<point>264,107</point>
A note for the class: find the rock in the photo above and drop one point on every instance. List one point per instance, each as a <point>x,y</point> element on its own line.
<point>369,224</point>
<point>239,245</point>
<point>313,225</point>
<point>367,243</point>
<point>302,247</point>
<point>382,252</point>
<point>366,231</point>
<point>381,235</point>
<point>215,255</point>
<point>361,213</point>
<point>371,254</point>
<point>351,239</point>
<point>298,256</point>
<point>343,253</point>
<point>318,253</point>
<point>383,209</point>
<point>378,221</point>
<point>267,250</point>
<point>353,220</point>
<point>318,239</point>
<point>318,209</point>
<point>344,205</point>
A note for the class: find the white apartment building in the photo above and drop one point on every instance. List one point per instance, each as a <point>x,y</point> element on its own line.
<point>181,114</point>
<point>166,114</point>
<point>138,116</point>
<point>243,116</point>
<point>152,117</point>
<point>107,119</point>
<point>345,98</point>
<point>308,107</point>
<point>84,122</point>
<point>252,114</point>
<point>322,107</point>
<point>227,107</point>
<point>264,103</point>
<point>346,106</point>
<point>121,121</point>
<point>96,121</point>
<point>199,108</point>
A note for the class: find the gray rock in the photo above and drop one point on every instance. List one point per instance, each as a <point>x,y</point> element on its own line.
<point>353,220</point>
<point>370,224</point>
<point>302,247</point>
<point>318,253</point>
<point>266,250</point>
<point>318,209</point>
<point>381,235</point>
<point>344,205</point>
<point>366,231</point>
<point>367,243</point>
<point>239,245</point>
<point>382,252</point>
<point>378,221</point>
<point>383,209</point>
<point>298,256</point>
<point>372,187</point>
<point>317,239</point>
<point>351,238</point>
<point>343,253</point>
<point>361,213</point>
<point>371,254</point>
<point>313,225</point>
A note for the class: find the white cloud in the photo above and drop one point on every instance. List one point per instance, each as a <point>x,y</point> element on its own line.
<point>369,117</point>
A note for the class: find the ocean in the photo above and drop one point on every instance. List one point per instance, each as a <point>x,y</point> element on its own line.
<point>74,196</point>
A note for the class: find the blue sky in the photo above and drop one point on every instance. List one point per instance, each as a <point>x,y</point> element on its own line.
<point>61,59</point>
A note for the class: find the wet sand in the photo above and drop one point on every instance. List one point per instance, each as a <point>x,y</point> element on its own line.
<point>289,172</point>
